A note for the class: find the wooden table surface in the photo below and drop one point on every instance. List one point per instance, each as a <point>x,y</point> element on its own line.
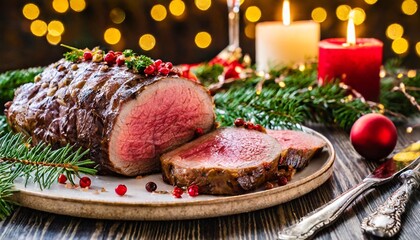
<point>349,169</point>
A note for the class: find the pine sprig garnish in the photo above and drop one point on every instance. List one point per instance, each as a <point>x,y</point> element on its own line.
<point>6,191</point>
<point>291,98</point>
<point>39,164</point>
<point>4,127</point>
<point>11,80</point>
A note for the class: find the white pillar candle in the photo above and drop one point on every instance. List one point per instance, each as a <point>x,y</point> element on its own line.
<point>279,44</point>
<point>285,43</point>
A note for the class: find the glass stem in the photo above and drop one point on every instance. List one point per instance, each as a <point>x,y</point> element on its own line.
<point>233,8</point>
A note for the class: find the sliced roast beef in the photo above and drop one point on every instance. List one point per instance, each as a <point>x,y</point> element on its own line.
<point>226,161</point>
<point>298,147</point>
<point>126,119</point>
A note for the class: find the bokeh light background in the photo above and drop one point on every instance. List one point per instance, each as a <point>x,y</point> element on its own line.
<point>188,31</point>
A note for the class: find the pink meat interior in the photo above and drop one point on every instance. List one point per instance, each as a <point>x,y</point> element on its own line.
<point>296,139</point>
<point>228,148</point>
<point>165,115</point>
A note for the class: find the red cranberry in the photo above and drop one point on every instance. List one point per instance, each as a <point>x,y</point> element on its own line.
<point>169,65</point>
<point>282,181</point>
<point>158,62</point>
<point>62,179</point>
<point>151,186</point>
<point>121,189</point>
<point>164,70</point>
<point>120,60</point>
<point>259,128</point>
<point>149,69</point>
<point>85,182</point>
<point>193,190</point>
<point>249,125</point>
<point>87,55</point>
<point>199,132</point>
<point>177,192</point>
<point>110,58</point>
<point>239,122</point>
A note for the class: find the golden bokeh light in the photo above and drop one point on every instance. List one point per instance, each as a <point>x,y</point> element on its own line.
<point>418,48</point>
<point>253,13</point>
<point>60,6</point>
<point>55,28</point>
<point>319,14</point>
<point>78,5</point>
<point>343,12</point>
<point>112,36</point>
<point>38,28</point>
<point>371,1</point>
<point>30,11</point>
<point>158,12</point>
<point>117,15</point>
<point>359,16</point>
<point>147,42</point>
<point>400,45</point>
<point>250,30</point>
<point>409,7</point>
<point>177,7</point>
<point>394,31</point>
<point>53,40</point>
<point>411,73</point>
<point>202,39</point>
<point>203,5</point>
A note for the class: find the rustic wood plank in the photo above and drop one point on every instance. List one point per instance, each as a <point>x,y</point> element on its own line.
<point>349,169</point>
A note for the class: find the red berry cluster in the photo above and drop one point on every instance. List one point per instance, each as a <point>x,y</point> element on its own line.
<point>192,190</point>
<point>110,58</point>
<point>159,67</point>
<point>84,182</point>
<point>114,57</point>
<point>239,122</point>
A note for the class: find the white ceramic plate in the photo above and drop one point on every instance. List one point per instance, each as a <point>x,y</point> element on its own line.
<point>138,204</point>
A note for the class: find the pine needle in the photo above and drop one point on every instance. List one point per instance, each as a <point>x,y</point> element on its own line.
<point>39,164</point>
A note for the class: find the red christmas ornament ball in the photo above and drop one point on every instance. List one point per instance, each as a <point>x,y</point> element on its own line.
<point>373,136</point>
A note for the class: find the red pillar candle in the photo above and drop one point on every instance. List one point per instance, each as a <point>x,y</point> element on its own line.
<point>356,65</point>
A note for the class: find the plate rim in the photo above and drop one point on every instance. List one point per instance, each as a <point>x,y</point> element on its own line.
<point>326,169</point>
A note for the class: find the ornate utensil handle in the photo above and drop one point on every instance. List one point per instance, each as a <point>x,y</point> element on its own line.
<point>325,215</point>
<point>386,220</point>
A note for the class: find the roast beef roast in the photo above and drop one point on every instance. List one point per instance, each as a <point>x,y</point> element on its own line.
<point>225,161</point>
<point>298,147</point>
<point>126,119</point>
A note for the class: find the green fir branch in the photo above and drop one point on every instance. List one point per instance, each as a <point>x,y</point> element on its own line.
<point>11,80</point>
<point>6,191</point>
<point>39,164</point>
<point>291,97</point>
<point>4,127</point>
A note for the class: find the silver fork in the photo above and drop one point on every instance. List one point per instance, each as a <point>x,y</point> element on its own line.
<point>386,220</point>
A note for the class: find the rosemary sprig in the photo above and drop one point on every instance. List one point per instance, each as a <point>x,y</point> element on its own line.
<point>135,62</point>
<point>39,164</point>
<point>75,54</point>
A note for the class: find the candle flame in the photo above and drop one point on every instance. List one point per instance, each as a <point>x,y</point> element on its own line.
<point>351,31</point>
<point>286,12</point>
